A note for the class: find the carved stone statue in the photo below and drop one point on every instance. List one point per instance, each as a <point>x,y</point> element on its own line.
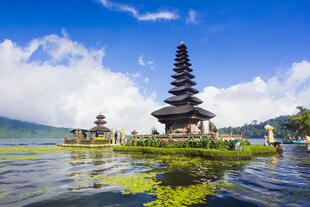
<point>202,127</point>
<point>212,127</point>
<point>118,136</point>
<point>133,135</point>
<point>112,141</point>
<point>269,139</point>
<point>122,138</point>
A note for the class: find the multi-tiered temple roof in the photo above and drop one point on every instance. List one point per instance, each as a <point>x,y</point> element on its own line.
<point>183,103</point>
<point>99,129</point>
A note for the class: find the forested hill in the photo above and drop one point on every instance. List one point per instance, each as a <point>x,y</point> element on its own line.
<point>257,130</point>
<point>10,128</point>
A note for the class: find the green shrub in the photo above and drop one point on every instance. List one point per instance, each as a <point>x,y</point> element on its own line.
<point>205,143</point>
<point>260,149</point>
<point>215,154</point>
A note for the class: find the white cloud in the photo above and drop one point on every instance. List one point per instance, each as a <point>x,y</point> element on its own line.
<point>151,62</point>
<point>146,79</point>
<point>157,15</point>
<point>144,63</point>
<point>150,16</point>
<point>259,99</point>
<point>192,17</point>
<point>141,61</point>
<point>68,86</point>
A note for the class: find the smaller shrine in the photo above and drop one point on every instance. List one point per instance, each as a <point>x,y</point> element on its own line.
<point>99,131</point>
<point>98,136</point>
<point>79,133</point>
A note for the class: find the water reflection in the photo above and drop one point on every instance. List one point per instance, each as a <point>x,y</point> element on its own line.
<point>104,178</point>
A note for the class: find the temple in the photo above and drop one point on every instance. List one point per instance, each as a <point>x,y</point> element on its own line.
<point>183,115</point>
<point>99,130</point>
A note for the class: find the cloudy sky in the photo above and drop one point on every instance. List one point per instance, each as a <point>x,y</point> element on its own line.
<point>63,62</point>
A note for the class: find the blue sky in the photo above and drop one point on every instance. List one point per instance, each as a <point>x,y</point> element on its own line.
<point>229,42</point>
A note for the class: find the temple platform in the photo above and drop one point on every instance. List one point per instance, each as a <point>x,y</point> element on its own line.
<point>87,145</point>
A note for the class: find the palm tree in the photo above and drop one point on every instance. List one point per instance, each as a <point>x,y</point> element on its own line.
<point>300,123</point>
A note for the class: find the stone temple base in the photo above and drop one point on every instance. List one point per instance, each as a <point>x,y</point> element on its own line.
<point>87,145</point>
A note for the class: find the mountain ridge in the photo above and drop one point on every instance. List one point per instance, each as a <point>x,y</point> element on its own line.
<point>13,128</point>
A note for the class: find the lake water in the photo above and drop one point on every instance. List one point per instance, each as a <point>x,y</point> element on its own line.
<point>52,176</point>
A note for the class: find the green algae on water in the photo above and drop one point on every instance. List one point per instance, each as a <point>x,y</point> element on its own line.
<point>2,195</point>
<point>3,165</point>
<point>17,157</point>
<point>27,157</point>
<point>38,193</point>
<point>48,149</point>
<point>164,195</point>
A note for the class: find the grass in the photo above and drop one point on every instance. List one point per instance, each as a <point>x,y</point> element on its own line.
<point>246,153</point>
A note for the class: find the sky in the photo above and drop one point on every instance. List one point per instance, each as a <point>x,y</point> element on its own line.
<point>63,62</point>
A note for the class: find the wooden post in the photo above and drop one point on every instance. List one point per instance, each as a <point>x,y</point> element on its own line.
<point>216,135</point>
<point>202,127</point>
<point>112,141</point>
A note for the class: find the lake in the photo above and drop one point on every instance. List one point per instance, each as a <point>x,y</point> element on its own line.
<point>33,172</point>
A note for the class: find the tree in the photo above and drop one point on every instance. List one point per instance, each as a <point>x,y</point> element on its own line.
<point>254,122</point>
<point>300,123</point>
<point>154,131</point>
<point>229,130</point>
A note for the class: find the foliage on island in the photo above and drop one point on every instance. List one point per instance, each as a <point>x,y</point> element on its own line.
<point>206,143</point>
<point>10,128</point>
<point>204,147</point>
<point>257,130</point>
<point>212,154</point>
<point>300,123</point>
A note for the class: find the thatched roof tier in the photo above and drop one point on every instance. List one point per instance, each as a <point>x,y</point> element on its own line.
<point>182,53</point>
<point>182,63</point>
<point>183,81</point>
<point>181,58</point>
<point>182,46</point>
<point>182,69</point>
<point>99,129</point>
<point>181,50</point>
<point>182,75</point>
<point>83,130</point>
<point>183,89</point>
<point>182,100</point>
<point>185,111</point>
<point>100,121</point>
<point>100,116</point>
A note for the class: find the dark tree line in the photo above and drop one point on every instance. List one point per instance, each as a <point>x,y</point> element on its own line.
<point>257,130</point>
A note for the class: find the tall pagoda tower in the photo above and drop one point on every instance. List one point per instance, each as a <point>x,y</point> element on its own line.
<point>183,116</point>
